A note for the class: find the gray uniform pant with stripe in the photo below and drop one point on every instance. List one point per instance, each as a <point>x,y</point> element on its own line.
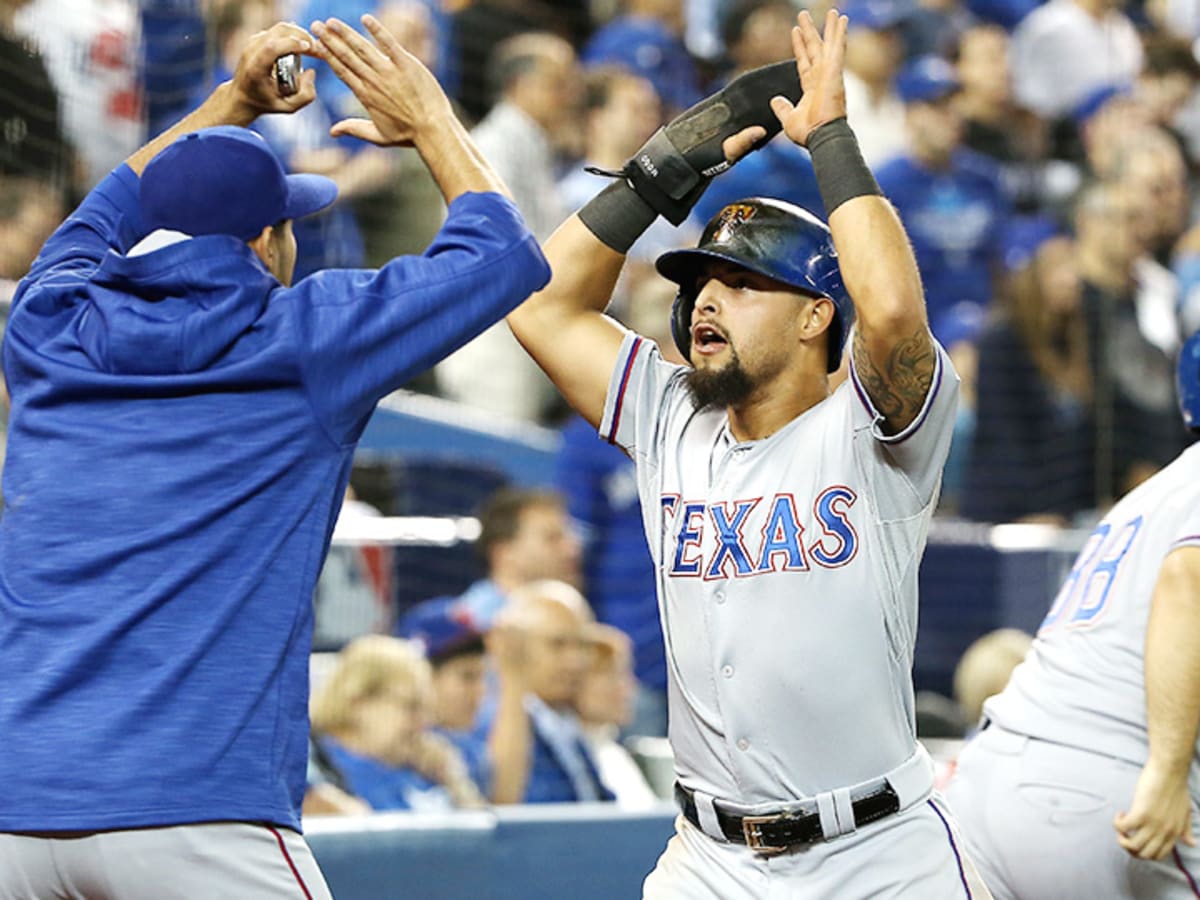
<point>182,862</point>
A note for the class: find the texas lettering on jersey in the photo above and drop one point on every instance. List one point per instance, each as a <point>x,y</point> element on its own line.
<point>717,540</point>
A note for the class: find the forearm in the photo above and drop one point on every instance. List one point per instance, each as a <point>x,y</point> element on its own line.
<point>454,161</point>
<point>876,260</point>
<point>1172,663</point>
<point>221,108</point>
<point>509,745</point>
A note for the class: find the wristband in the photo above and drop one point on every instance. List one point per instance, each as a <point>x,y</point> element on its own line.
<point>617,216</point>
<point>841,173</point>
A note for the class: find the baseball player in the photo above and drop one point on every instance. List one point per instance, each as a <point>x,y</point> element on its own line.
<point>1084,778</point>
<point>786,522</point>
<point>183,422</point>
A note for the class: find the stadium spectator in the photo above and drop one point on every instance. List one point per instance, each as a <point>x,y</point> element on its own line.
<point>1137,429</point>
<point>525,535</point>
<point>540,90</point>
<point>1032,458</point>
<point>647,39</point>
<point>454,646</point>
<point>951,200</point>
<point>1066,49</point>
<point>994,126</point>
<point>605,704</point>
<point>174,51</point>
<point>479,27</point>
<point>1152,167</point>
<point>183,425</point>
<point>537,746</point>
<point>32,145</point>
<point>1166,84</point>
<point>874,53</point>
<point>959,330</point>
<point>90,48</point>
<point>370,718</point>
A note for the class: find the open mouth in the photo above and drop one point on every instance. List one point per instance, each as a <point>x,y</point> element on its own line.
<point>707,338</point>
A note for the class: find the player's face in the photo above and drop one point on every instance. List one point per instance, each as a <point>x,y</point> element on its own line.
<point>745,332</point>
<point>458,688</point>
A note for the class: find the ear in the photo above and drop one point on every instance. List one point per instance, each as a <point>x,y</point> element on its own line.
<point>263,246</point>
<point>817,316</point>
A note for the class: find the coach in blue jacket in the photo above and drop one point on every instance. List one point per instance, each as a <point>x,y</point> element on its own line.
<point>183,420</point>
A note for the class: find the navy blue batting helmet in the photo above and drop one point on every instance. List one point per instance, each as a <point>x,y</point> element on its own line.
<point>1188,381</point>
<point>770,237</point>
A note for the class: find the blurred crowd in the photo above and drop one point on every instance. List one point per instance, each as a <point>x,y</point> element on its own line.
<point>1043,157</point>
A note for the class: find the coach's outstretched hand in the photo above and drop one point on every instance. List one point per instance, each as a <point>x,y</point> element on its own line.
<point>400,95</point>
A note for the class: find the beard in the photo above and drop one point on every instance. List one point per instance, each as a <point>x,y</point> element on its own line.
<point>729,385</point>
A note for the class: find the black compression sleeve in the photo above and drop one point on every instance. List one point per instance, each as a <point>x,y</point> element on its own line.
<point>838,163</point>
<point>617,216</point>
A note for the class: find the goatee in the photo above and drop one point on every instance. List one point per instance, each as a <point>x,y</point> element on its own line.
<point>719,388</point>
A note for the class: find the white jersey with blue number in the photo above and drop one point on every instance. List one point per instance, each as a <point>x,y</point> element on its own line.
<point>787,572</point>
<point>1082,682</point>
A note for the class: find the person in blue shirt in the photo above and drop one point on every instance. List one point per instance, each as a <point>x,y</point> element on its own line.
<point>182,427</point>
<point>951,200</point>
<point>541,646</point>
<point>371,720</point>
<point>453,643</point>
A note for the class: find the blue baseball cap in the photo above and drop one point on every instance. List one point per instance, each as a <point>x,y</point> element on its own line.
<point>444,627</point>
<point>226,180</point>
<point>1021,238</point>
<point>877,15</point>
<point>926,80</point>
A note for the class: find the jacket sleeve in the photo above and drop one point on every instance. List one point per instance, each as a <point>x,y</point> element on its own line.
<point>363,333</point>
<point>109,218</point>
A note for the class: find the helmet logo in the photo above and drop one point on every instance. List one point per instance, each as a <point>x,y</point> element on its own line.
<point>730,219</point>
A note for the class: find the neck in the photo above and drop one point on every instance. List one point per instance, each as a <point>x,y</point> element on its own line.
<point>984,109</point>
<point>774,406</point>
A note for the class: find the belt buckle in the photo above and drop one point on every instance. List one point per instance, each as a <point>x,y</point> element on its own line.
<point>752,832</point>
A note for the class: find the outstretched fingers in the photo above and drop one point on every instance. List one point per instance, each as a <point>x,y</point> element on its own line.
<point>385,40</point>
<point>336,51</point>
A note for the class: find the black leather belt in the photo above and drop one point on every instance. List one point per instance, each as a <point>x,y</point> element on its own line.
<point>784,829</point>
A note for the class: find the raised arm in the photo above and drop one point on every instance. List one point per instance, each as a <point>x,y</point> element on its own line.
<point>405,104</point>
<point>250,93</point>
<point>563,328</point>
<point>893,351</point>
<point>1161,811</point>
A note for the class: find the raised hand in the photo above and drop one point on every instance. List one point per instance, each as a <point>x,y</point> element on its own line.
<point>400,95</point>
<point>254,84</point>
<point>819,61</point>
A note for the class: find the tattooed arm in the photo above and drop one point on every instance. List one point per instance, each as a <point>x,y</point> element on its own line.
<point>893,350</point>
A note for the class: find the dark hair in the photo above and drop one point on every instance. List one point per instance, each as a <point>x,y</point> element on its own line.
<point>599,84</point>
<point>500,516</point>
<point>471,646</point>
<point>733,23</point>
<point>515,58</point>
<point>1166,54</point>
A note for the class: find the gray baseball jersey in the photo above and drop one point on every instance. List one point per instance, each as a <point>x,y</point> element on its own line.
<point>1082,682</point>
<point>787,575</point>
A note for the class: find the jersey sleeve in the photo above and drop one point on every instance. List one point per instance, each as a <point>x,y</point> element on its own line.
<point>1187,532</point>
<point>109,218</point>
<point>641,384</point>
<point>363,333</point>
<point>920,450</point>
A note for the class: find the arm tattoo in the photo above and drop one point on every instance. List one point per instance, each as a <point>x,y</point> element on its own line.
<point>898,388</point>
